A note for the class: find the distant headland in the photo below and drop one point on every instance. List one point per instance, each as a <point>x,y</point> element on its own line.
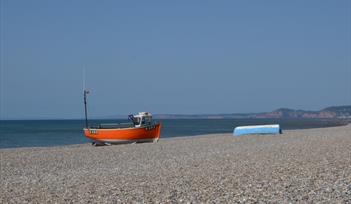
<point>327,113</point>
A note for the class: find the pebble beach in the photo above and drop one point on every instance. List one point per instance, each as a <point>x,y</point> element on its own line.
<point>308,166</point>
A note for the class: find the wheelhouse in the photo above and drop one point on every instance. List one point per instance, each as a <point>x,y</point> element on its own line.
<point>141,119</point>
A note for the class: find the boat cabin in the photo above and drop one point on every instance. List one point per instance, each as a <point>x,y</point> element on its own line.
<point>141,119</point>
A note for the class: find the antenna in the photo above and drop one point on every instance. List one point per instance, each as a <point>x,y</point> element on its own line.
<point>84,80</point>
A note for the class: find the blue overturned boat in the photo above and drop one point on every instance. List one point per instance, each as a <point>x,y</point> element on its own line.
<point>257,129</point>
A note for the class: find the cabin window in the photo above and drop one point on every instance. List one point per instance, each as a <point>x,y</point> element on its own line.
<point>136,121</point>
<point>146,120</point>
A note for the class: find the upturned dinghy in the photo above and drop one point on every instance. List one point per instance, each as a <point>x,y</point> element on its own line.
<point>257,129</point>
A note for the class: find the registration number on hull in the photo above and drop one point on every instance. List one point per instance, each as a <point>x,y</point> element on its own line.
<point>94,132</point>
<point>151,127</point>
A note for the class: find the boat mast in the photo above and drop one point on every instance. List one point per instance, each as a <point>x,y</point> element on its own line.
<point>85,108</point>
<point>86,92</point>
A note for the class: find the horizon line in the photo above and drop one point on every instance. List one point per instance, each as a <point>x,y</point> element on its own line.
<point>106,117</point>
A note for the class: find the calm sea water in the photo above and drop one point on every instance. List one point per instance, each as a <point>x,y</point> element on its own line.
<point>42,133</point>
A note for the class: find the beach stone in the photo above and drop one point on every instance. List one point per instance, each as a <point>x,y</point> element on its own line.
<point>299,166</point>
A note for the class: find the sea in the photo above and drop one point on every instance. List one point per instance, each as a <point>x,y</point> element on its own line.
<point>47,133</point>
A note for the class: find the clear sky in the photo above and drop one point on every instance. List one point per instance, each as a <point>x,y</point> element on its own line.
<point>173,56</point>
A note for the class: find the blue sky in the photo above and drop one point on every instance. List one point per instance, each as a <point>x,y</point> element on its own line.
<point>173,56</point>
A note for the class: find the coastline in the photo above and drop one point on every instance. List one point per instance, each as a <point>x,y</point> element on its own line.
<point>298,166</point>
<point>338,123</point>
<point>18,134</point>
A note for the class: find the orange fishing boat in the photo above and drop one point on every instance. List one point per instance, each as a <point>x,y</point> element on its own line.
<point>141,129</point>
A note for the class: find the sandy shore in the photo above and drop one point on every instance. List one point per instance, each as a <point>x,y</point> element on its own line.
<point>297,166</point>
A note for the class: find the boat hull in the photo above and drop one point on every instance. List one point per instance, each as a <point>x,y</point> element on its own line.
<point>257,129</point>
<point>124,135</point>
